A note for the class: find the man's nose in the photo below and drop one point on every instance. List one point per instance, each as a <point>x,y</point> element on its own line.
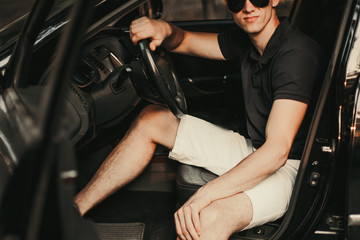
<point>248,7</point>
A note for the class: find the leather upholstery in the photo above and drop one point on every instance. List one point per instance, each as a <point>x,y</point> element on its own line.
<point>189,179</point>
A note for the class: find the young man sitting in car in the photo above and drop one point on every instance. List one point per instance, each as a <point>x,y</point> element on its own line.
<point>279,66</point>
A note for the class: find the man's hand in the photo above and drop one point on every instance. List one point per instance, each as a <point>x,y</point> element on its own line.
<point>155,30</point>
<point>187,218</point>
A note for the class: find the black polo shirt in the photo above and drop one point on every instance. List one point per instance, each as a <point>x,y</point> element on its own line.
<point>288,69</point>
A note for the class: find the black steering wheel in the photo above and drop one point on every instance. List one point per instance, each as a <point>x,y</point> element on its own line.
<point>161,72</point>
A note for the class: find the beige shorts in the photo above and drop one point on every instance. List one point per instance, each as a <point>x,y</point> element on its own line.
<point>200,143</point>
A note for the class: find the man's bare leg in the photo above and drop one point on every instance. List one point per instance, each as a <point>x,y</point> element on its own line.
<point>221,218</point>
<point>225,216</point>
<point>154,125</point>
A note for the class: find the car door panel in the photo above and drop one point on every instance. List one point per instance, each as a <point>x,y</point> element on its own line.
<point>212,87</point>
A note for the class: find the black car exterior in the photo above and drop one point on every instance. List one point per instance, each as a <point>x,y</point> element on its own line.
<point>57,104</point>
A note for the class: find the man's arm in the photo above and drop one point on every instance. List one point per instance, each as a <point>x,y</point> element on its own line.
<point>175,39</point>
<point>283,123</point>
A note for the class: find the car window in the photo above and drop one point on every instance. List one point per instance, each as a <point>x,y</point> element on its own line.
<point>187,10</point>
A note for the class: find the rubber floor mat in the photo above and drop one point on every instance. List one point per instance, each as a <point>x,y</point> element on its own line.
<point>120,231</point>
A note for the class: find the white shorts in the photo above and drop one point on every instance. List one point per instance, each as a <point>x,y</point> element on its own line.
<point>203,144</point>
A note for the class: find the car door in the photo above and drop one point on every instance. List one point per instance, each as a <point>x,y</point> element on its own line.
<point>353,177</point>
<point>37,200</point>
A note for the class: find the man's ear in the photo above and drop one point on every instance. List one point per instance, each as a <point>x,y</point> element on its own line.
<point>274,3</point>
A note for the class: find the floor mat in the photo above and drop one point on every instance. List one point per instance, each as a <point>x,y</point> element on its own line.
<point>120,231</point>
<point>154,209</point>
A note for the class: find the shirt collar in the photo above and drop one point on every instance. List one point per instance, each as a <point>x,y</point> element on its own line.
<point>276,41</point>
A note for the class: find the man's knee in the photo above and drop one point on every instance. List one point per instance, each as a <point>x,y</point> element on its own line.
<point>158,123</point>
<point>212,224</point>
<point>151,115</point>
<point>152,110</point>
<point>219,220</point>
<point>210,217</point>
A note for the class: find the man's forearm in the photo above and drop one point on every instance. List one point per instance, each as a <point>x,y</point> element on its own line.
<point>175,38</point>
<point>198,44</point>
<point>246,175</point>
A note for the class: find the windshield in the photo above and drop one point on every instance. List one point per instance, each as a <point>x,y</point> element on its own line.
<point>13,9</point>
<point>13,16</point>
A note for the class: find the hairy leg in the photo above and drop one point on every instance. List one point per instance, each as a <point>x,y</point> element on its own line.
<point>154,125</point>
<point>225,216</point>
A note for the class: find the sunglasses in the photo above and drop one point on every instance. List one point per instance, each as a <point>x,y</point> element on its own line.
<point>235,6</point>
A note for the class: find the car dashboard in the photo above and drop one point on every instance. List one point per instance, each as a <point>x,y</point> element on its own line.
<point>102,90</point>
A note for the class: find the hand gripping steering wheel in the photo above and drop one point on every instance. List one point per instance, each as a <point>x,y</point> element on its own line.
<point>161,72</point>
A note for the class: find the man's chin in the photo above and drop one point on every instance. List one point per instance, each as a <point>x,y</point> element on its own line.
<point>253,30</point>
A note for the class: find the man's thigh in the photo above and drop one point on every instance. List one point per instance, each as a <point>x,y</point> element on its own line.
<point>203,144</point>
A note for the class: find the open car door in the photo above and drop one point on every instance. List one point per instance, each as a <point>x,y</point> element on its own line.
<point>37,200</point>
<point>353,177</point>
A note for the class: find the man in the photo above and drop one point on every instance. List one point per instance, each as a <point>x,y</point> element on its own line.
<point>279,66</point>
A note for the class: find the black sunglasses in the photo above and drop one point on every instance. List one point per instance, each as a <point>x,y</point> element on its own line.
<point>235,6</point>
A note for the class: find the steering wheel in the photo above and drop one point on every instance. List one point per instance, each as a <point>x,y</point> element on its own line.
<point>161,72</point>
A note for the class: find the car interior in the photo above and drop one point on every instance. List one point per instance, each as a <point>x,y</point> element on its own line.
<point>111,85</point>
<point>212,93</point>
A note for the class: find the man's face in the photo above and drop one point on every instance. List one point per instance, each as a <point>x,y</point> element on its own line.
<point>254,19</point>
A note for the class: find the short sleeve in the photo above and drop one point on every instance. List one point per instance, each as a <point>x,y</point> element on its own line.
<point>295,72</point>
<point>232,43</point>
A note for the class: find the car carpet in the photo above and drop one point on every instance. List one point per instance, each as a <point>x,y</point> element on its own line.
<point>120,231</point>
<point>153,209</point>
